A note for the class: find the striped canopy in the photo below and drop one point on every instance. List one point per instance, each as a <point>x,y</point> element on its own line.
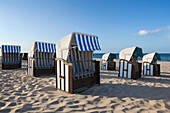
<point>86,42</point>
<point>46,47</point>
<point>83,42</point>
<point>11,49</point>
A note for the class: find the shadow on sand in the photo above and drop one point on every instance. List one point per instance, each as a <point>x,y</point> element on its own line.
<point>132,91</point>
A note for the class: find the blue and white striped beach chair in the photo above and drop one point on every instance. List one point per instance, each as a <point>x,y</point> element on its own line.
<point>75,69</point>
<point>41,58</point>
<point>10,56</point>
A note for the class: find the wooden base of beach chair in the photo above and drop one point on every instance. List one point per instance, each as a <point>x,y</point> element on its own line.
<point>129,69</point>
<point>111,66</point>
<point>151,69</point>
<point>66,81</point>
<point>108,65</point>
<point>31,70</point>
<point>43,71</point>
<point>11,66</point>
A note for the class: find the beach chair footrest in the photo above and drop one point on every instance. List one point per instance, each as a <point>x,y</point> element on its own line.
<point>44,71</point>
<point>11,66</point>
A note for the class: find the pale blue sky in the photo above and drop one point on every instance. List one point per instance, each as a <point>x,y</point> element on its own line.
<point>118,23</point>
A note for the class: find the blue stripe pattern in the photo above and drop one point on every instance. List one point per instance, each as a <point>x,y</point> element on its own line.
<point>46,47</point>
<point>11,49</point>
<point>77,66</point>
<point>86,43</point>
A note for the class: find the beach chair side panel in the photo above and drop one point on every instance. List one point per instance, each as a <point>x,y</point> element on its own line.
<point>148,69</point>
<point>156,68</point>
<point>63,76</point>
<point>30,70</point>
<point>104,65</point>
<point>125,69</point>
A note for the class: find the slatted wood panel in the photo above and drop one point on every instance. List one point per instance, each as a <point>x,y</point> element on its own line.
<point>44,60</point>
<point>104,65</point>
<point>11,58</point>
<point>82,63</point>
<point>125,69</point>
<point>30,66</point>
<point>62,76</point>
<point>148,69</point>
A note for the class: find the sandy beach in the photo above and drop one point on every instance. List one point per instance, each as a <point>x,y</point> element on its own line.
<point>22,93</point>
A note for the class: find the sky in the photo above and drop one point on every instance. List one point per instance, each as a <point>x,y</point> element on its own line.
<point>119,24</point>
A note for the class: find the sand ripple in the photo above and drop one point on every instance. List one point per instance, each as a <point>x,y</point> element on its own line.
<point>22,93</point>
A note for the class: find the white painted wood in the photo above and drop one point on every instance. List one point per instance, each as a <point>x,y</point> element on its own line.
<point>58,74</point>
<point>30,66</point>
<point>151,70</point>
<point>62,74</point>
<point>62,84</point>
<point>148,67</point>
<point>125,74</point>
<point>129,70</point>
<point>144,69</point>
<point>121,68</point>
<point>66,78</point>
<point>125,65</point>
<point>106,66</point>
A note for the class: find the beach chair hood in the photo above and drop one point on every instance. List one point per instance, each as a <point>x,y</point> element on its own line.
<point>109,56</point>
<point>10,49</point>
<point>83,42</point>
<point>150,57</point>
<point>129,52</point>
<point>42,47</point>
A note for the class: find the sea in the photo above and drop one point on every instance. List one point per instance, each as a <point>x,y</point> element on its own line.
<point>164,56</point>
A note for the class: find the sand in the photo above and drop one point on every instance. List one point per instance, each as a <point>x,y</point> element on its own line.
<point>22,93</point>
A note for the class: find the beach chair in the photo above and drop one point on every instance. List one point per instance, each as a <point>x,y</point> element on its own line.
<point>75,68</point>
<point>41,58</point>
<point>150,66</point>
<point>108,61</point>
<point>129,67</point>
<point>10,57</point>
